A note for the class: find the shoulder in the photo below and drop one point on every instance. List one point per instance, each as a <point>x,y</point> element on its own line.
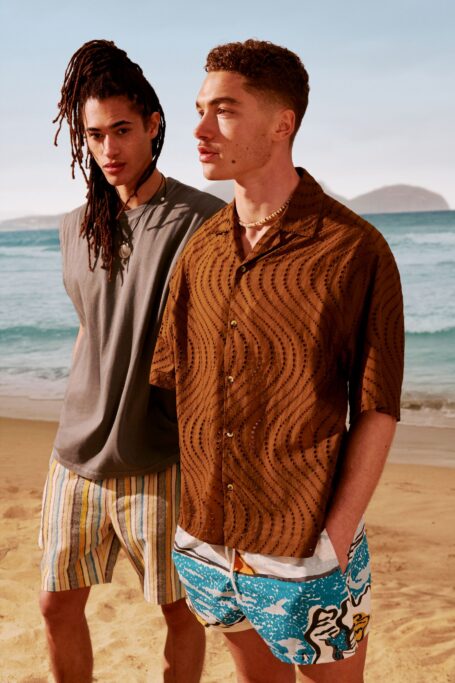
<point>75,216</point>
<point>73,219</point>
<point>218,224</point>
<point>199,202</point>
<point>70,224</point>
<point>357,234</point>
<point>204,243</point>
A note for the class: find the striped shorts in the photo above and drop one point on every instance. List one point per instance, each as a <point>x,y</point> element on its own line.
<point>84,523</point>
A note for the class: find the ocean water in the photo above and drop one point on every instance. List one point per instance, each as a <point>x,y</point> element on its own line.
<point>424,247</point>
<point>38,325</point>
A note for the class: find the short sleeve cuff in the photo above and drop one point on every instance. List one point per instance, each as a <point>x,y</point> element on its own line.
<point>165,380</point>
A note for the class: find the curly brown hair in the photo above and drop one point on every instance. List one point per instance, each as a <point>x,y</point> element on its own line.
<point>267,68</point>
<point>100,69</point>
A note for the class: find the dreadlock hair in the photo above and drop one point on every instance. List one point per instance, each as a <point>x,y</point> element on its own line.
<point>99,69</point>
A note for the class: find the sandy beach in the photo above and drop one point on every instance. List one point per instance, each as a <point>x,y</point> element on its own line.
<point>411,531</point>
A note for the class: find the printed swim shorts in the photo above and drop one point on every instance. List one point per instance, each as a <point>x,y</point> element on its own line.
<point>307,610</point>
<point>84,523</point>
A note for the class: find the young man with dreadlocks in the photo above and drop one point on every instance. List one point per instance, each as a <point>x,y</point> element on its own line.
<point>284,309</point>
<point>114,475</point>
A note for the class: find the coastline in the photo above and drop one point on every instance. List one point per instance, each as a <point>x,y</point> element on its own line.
<point>417,405</point>
<point>26,408</point>
<point>425,435</point>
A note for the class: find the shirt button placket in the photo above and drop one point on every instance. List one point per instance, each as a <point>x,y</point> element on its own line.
<point>229,434</point>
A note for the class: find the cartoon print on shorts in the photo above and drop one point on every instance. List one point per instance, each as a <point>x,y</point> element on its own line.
<point>329,636</point>
<point>242,567</point>
<point>361,621</point>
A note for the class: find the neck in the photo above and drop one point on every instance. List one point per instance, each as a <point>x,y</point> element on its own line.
<point>258,196</point>
<point>143,194</point>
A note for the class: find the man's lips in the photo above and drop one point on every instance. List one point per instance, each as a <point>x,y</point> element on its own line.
<point>206,154</point>
<point>114,167</point>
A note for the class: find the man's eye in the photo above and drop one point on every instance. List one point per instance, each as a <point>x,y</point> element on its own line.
<point>123,131</point>
<point>223,111</point>
<point>94,136</point>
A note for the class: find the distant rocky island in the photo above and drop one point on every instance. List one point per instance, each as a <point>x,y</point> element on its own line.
<point>397,199</point>
<point>31,222</point>
<point>389,199</point>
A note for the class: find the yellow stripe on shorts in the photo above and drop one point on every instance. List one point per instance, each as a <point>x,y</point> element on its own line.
<point>84,524</point>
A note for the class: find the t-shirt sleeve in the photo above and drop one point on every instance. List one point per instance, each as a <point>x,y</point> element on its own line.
<point>164,362</point>
<point>378,341</point>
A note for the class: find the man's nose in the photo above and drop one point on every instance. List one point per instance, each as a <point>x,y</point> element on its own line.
<point>111,146</point>
<point>204,129</point>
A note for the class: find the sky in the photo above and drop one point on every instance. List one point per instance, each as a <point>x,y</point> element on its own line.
<point>382,100</point>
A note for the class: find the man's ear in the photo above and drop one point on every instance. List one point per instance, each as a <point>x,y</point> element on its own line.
<point>153,124</point>
<point>285,124</point>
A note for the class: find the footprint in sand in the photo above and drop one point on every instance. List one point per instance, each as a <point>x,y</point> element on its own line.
<point>15,512</point>
<point>106,612</point>
<point>35,493</point>
<point>4,552</point>
<point>406,487</point>
<point>128,594</point>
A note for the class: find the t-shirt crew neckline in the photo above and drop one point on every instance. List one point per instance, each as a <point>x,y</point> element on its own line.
<point>155,199</point>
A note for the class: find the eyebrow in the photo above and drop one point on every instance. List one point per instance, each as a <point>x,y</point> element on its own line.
<point>219,100</point>
<point>117,124</point>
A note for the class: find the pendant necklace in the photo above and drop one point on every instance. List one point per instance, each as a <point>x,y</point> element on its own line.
<point>126,246</point>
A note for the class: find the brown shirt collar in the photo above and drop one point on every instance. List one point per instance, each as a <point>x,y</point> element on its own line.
<point>302,215</point>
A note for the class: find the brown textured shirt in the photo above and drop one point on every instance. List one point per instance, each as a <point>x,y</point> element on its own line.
<point>265,352</point>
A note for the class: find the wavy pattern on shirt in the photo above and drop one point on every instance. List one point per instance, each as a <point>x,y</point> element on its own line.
<point>265,353</point>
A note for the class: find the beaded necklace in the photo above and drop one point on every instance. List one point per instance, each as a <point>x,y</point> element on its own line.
<point>263,221</point>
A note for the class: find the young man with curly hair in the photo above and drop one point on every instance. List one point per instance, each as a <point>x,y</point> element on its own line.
<point>284,310</point>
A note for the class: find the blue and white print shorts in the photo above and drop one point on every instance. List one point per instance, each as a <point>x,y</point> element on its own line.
<point>307,610</point>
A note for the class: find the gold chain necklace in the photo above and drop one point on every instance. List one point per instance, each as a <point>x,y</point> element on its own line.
<point>126,245</point>
<point>262,221</point>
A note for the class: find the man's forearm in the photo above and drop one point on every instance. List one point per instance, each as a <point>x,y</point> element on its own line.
<point>369,441</point>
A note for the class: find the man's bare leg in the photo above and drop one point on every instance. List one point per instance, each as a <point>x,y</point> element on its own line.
<point>184,649</point>
<point>67,633</point>
<point>254,661</point>
<point>348,670</point>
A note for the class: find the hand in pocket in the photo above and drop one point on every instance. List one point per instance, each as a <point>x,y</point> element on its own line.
<point>340,547</point>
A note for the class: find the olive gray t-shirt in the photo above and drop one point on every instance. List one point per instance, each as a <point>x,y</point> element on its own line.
<point>113,423</point>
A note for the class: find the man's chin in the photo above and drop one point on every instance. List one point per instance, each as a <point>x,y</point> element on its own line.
<point>213,173</point>
<point>113,180</point>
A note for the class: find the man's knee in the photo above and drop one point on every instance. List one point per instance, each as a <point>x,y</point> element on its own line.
<point>66,605</point>
<point>177,614</point>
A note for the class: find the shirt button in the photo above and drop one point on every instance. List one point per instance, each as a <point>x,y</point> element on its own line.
<point>230,379</point>
<point>229,435</point>
<point>243,269</point>
<point>233,323</point>
<point>230,487</point>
